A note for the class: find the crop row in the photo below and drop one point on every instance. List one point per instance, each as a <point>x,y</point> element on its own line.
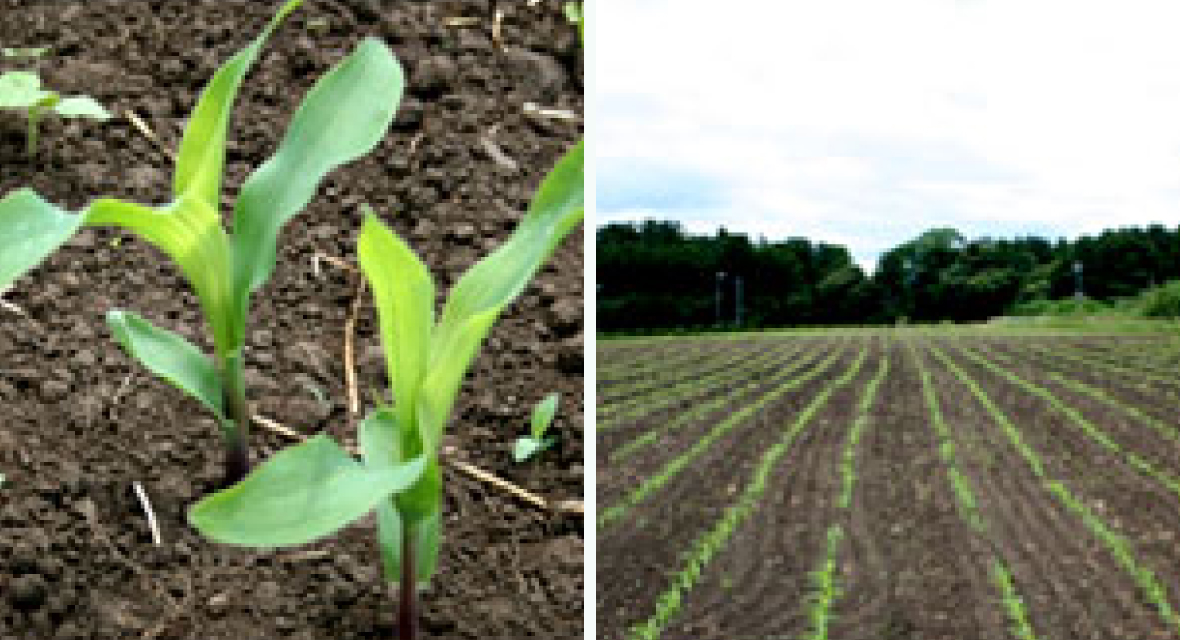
<point>964,493</point>
<point>825,589</point>
<point>1117,544</point>
<point>669,471</point>
<point>1166,430</point>
<point>742,395</point>
<point>666,396</point>
<point>614,370</point>
<point>667,374</point>
<point>1078,420</point>
<point>714,540</point>
<point>1083,358</point>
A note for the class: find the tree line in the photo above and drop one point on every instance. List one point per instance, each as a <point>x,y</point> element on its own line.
<point>654,275</point>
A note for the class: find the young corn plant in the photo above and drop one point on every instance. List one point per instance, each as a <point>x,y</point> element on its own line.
<point>22,91</point>
<point>536,442</point>
<point>315,488</point>
<point>343,117</point>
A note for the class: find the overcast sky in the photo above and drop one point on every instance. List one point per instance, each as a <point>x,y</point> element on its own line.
<point>865,123</point>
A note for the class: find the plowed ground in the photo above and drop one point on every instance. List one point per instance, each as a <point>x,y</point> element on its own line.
<point>1056,475</point>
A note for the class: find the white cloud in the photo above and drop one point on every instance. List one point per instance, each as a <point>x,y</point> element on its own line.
<point>823,116</point>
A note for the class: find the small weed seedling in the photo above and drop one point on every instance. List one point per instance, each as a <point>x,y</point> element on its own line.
<point>536,442</point>
<point>343,117</point>
<point>21,91</point>
<point>23,52</point>
<point>314,488</point>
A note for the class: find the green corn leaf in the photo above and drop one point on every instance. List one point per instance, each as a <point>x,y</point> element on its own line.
<point>30,230</point>
<point>404,294</point>
<point>543,415</point>
<point>389,538</point>
<point>380,438</point>
<point>20,90</point>
<point>483,292</point>
<point>169,356</point>
<point>81,107</point>
<point>299,495</point>
<point>202,150</point>
<point>343,117</point>
<point>190,233</point>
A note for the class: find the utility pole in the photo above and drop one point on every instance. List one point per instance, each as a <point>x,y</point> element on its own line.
<point>1077,276</point>
<point>737,285</point>
<point>717,298</point>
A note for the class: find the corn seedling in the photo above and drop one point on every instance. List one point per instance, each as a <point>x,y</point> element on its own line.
<point>343,117</point>
<point>536,442</point>
<point>22,91</point>
<point>315,488</point>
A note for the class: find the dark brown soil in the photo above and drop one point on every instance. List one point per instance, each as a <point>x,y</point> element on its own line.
<point>82,422</point>
<point>911,565</point>
<point>638,553</point>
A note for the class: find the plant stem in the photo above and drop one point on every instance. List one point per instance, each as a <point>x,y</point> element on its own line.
<point>34,117</point>
<point>407,616</point>
<point>237,446</point>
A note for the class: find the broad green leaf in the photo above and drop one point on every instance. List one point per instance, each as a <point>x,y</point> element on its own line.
<point>190,233</point>
<point>380,438</point>
<point>20,90</point>
<point>343,117</point>
<point>543,415</point>
<point>483,292</point>
<point>300,494</point>
<point>30,230</point>
<point>81,107</point>
<point>202,150</point>
<point>404,295</point>
<point>389,538</point>
<point>169,356</point>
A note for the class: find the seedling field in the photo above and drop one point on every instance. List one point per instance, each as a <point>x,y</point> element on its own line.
<point>889,484</point>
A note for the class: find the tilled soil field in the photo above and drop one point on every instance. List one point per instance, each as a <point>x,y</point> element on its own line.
<point>80,422</point>
<point>892,485</point>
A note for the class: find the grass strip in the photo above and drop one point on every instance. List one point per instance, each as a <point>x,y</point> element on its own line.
<point>825,590</point>
<point>709,544</point>
<point>673,467</point>
<point>1144,578</point>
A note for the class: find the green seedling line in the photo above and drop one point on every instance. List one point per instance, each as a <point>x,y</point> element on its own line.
<point>1116,543</point>
<point>1102,364</point>
<point>739,396</point>
<point>673,395</point>
<point>1013,603</point>
<point>1076,418</point>
<point>1154,355</point>
<point>639,368</point>
<point>652,356</point>
<point>1164,429</point>
<point>669,471</point>
<point>825,591</point>
<point>713,541</point>
<point>1010,599</point>
<point>681,383</point>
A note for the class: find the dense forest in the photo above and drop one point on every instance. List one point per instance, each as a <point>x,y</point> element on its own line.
<point>653,275</point>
